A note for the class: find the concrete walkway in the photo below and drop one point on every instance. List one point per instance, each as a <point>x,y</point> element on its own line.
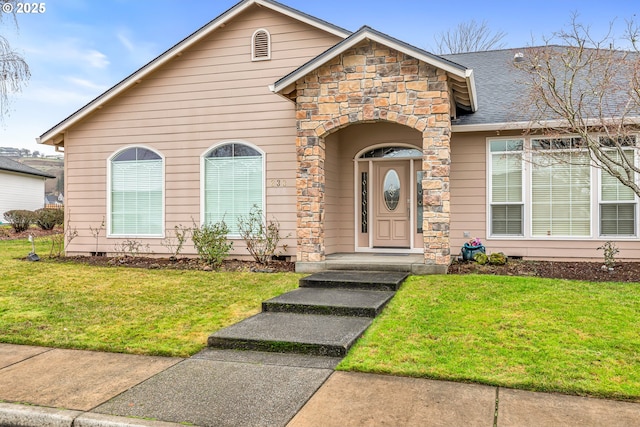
<point>53,387</point>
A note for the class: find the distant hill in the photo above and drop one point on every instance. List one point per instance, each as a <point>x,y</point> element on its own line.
<point>53,167</point>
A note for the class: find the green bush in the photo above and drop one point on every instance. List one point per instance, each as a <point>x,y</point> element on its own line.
<point>497,258</point>
<point>261,236</point>
<point>481,258</point>
<point>20,220</point>
<point>210,240</point>
<point>48,218</point>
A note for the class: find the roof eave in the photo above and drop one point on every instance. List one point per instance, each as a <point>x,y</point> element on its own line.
<point>34,174</point>
<point>542,124</point>
<point>176,50</point>
<point>471,84</point>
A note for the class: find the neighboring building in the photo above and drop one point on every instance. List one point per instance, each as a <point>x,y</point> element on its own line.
<point>21,187</point>
<point>355,142</point>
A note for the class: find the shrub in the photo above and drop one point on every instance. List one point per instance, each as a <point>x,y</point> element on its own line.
<point>497,258</point>
<point>20,220</point>
<point>130,248</point>
<point>609,251</point>
<point>481,258</point>
<point>48,218</point>
<point>174,245</point>
<point>261,236</point>
<point>210,241</point>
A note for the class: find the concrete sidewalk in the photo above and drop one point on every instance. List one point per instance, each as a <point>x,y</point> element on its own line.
<point>53,387</point>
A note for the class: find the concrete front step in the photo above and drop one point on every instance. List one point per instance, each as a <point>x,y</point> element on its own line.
<point>337,302</point>
<point>291,332</point>
<point>370,280</point>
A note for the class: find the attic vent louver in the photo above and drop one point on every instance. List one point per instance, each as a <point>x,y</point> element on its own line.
<point>261,45</point>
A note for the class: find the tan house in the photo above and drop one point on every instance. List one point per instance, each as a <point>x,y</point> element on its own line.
<point>354,142</point>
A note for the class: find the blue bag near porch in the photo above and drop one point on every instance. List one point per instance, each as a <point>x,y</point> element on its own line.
<point>469,251</point>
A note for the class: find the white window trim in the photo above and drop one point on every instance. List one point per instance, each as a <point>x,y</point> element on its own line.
<point>528,224</point>
<point>110,235</point>
<point>253,45</point>
<point>203,158</point>
<point>489,181</point>
<point>600,202</point>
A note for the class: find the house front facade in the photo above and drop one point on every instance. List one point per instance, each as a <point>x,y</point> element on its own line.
<point>355,143</point>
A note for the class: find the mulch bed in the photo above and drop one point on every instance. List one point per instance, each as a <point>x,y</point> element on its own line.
<point>589,271</point>
<point>181,264</point>
<point>573,270</point>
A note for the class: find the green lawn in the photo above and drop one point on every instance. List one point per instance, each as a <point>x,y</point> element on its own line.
<point>537,334</point>
<point>122,309</point>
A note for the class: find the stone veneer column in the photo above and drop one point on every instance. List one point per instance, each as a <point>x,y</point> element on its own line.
<point>371,83</point>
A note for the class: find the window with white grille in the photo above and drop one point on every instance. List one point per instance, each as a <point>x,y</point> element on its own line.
<point>261,45</point>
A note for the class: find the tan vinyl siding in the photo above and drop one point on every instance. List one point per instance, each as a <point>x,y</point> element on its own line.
<point>469,207</point>
<point>468,188</point>
<point>212,93</point>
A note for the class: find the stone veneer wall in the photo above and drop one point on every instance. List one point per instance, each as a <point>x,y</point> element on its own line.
<point>371,83</point>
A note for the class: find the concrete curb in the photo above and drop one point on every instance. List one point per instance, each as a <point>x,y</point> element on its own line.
<point>27,416</point>
<point>15,415</point>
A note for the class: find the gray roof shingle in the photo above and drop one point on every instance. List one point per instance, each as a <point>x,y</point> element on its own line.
<point>497,87</point>
<point>7,164</point>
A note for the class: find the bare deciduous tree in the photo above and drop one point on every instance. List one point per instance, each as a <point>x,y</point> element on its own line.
<point>14,70</point>
<point>469,37</point>
<point>578,85</point>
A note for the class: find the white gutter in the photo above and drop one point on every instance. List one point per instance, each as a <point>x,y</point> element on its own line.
<point>487,127</point>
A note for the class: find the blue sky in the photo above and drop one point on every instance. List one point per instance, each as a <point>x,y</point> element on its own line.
<point>79,48</point>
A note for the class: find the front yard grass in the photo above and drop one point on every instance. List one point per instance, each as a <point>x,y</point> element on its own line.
<point>157,312</point>
<point>522,332</point>
<point>537,334</point>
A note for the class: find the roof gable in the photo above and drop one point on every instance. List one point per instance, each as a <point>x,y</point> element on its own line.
<point>54,136</point>
<point>463,78</point>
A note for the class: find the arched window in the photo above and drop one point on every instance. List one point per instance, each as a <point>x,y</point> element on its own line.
<point>261,45</point>
<point>233,183</point>
<point>136,193</point>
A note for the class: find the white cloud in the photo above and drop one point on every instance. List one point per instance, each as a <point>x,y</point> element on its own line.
<point>124,39</point>
<point>88,84</point>
<point>96,59</point>
<point>70,50</point>
<point>57,96</point>
<point>139,52</point>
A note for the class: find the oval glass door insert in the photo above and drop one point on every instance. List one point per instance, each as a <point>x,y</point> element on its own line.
<point>391,188</point>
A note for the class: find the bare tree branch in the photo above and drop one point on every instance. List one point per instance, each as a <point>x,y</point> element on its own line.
<point>14,70</point>
<point>580,85</point>
<point>469,37</point>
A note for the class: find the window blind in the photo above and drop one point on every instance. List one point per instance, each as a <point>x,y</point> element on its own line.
<point>136,197</point>
<point>232,186</point>
<point>560,194</point>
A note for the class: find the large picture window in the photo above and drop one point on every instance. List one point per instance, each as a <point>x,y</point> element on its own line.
<point>560,188</point>
<point>233,183</point>
<point>136,190</point>
<point>546,187</point>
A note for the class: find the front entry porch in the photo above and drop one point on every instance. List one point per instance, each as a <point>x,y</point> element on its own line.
<point>410,263</point>
<point>371,80</point>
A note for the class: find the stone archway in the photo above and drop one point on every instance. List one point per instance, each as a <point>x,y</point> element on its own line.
<point>368,83</point>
